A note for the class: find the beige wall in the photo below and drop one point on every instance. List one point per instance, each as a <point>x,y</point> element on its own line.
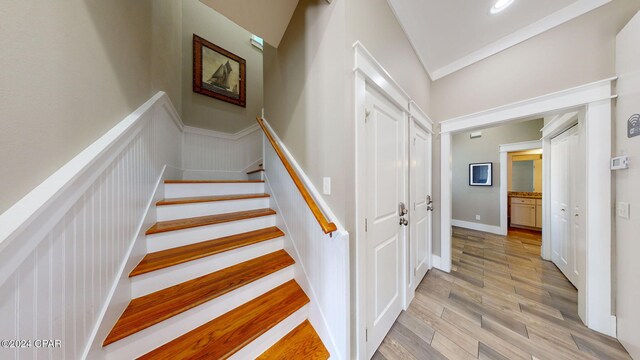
<point>166,49</point>
<point>69,71</point>
<point>469,201</point>
<point>626,184</point>
<point>373,23</point>
<point>305,95</point>
<point>572,54</point>
<point>203,111</point>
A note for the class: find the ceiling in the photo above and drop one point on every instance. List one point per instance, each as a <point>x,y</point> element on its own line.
<point>267,19</point>
<point>449,35</point>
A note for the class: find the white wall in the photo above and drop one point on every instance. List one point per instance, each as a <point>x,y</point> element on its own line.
<point>212,155</point>
<point>59,269</point>
<point>626,183</point>
<point>206,112</point>
<point>69,71</point>
<point>469,201</point>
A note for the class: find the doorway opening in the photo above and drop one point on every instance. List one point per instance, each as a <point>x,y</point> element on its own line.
<point>591,104</point>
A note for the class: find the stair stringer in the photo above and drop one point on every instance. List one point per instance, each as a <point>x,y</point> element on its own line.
<point>316,315</point>
<point>120,294</point>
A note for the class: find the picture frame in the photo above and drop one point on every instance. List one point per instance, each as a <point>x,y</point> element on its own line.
<point>218,73</point>
<point>481,174</point>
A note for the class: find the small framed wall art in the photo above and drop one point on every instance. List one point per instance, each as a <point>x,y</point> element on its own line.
<point>481,174</point>
<point>218,73</point>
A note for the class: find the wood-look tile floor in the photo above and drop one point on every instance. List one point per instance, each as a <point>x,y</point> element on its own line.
<point>500,301</point>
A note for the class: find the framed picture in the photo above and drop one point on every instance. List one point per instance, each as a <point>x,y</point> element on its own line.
<point>481,174</point>
<point>218,73</point>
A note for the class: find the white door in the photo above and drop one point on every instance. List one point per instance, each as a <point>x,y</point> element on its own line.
<point>421,206</point>
<point>562,242</point>
<point>386,189</point>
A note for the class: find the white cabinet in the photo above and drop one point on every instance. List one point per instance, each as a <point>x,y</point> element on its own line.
<point>539,213</point>
<point>526,212</point>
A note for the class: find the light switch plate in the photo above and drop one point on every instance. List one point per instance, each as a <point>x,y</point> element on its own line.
<point>623,210</point>
<point>477,217</point>
<point>326,186</point>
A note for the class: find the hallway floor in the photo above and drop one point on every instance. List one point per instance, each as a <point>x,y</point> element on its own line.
<point>501,301</point>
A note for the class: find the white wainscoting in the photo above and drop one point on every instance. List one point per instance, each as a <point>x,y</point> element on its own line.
<point>322,261</point>
<point>71,237</point>
<point>210,154</point>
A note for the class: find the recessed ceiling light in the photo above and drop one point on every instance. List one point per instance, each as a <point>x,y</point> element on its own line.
<point>500,5</point>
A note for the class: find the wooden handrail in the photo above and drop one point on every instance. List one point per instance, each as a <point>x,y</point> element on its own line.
<point>327,226</point>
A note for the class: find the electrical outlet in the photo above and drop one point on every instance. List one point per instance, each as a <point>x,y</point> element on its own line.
<point>623,210</point>
<point>477,217</point>
<point>326,186</point>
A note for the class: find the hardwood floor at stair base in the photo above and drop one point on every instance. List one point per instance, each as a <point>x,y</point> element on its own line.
<point>190,210</point>
<point>501,301</point>
<point>150,338</point>
<point>301,343</point>
<point>178,255</point>
<point>161,279</point>
<point>172,239</point>
<point>149,310</point>
<point>227,334</point>
<point>181,224</point>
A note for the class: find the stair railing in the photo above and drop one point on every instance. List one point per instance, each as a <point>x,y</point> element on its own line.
<point>327,226</point>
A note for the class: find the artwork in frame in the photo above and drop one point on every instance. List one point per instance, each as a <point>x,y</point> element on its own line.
<point>218,73</point>
<point>481,174</point>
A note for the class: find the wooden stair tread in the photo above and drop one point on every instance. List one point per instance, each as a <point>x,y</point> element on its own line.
<point>301,343</point>
<point>225,335</point>
<point>163,259</point>
<point>151,309</point>
<point>201,199</point>
<point>211,181</point>
<point>172,225</point>
<point>254,171</point>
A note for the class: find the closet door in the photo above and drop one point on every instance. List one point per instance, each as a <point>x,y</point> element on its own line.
<point>563,244</point>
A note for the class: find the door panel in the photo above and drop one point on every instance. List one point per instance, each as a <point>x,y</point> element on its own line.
<point>385,129</point>
<point>563,238</point>
<point>420,219</point>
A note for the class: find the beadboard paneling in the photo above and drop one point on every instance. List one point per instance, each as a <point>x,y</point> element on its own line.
<point>60,289</point>
<point>207,153</point>
<point>322,262</point>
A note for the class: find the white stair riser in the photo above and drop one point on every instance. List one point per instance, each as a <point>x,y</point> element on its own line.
<point>161,279</point>
<point>172,191</point>
<point>172,239</point>
<point>150,338</point>
<point>183,211</point>
<point>268,339</point>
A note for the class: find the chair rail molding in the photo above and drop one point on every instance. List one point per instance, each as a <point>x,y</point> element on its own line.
<point>66,244</point>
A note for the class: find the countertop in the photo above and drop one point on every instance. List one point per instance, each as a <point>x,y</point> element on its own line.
<point>526,195</point>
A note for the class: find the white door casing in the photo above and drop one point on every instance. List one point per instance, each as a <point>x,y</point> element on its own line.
<point>420,224</point>
<point>385,236</point>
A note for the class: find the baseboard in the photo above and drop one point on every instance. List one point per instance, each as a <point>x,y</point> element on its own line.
<point>436,262</point>
<point>477,226</point>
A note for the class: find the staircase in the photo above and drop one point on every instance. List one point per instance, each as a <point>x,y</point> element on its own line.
<point>216,282</point>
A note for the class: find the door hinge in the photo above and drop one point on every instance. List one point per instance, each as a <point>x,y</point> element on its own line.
<point>366,227</point>
<point>366,334</point>
<point>367,112</point>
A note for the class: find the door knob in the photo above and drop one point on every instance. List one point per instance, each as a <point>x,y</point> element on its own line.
<point>429,208</point>
<point>404,222</point>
